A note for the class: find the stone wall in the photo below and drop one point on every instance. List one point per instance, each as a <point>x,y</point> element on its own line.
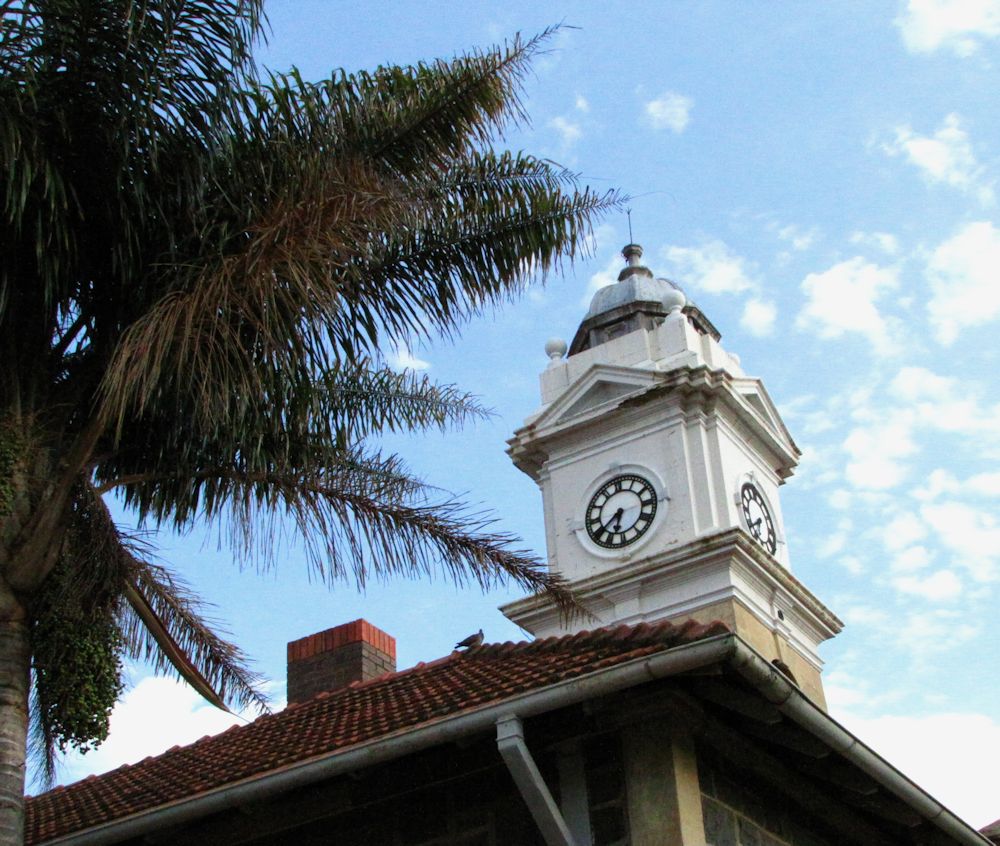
<point>738,814</point>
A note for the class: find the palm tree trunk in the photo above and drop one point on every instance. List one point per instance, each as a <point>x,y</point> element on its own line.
<point>15,656</point>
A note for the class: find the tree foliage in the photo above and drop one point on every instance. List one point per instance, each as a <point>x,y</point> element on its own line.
<point>202,267</point>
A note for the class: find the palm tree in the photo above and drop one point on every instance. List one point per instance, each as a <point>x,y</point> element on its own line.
<point>201,268</point>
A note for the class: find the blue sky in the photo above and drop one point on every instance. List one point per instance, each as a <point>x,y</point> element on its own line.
<point>821,179</point>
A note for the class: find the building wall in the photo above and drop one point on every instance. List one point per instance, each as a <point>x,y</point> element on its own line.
<point>736,813</point>
<point>765,641</point>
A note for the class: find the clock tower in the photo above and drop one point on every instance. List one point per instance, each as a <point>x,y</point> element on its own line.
<point>659,462</point>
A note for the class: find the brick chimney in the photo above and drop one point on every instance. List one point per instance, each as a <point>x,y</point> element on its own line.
<point>333,659</point>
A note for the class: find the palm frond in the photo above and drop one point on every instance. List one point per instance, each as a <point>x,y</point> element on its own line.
<point>475,238</point>
<point>306,221</point>
<point>296,427</point>
<point>158,617</point>
<point>162,624</point>
<point>41,744</point>
<point>161,620</point>
<point>363,518</point>
<point>350,535</point>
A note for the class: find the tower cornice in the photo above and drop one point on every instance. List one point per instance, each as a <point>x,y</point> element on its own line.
<point>689,388</point>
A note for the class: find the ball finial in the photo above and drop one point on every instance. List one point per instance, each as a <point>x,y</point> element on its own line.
<point>673,299</point>
<point>555,349</point>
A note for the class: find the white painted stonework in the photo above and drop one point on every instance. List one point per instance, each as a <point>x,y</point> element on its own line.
<point>665,402</point>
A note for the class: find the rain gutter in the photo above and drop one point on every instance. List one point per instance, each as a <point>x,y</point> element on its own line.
<point>800,709</point>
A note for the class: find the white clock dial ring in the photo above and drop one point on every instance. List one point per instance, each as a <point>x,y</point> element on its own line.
<point>620,511</point>
<point>758,518</point>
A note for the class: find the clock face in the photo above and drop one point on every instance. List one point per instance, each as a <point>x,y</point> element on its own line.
<point>621,511</point>
<point>758,517</point>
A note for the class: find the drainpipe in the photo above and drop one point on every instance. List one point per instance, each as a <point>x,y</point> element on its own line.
<point>529,781</point>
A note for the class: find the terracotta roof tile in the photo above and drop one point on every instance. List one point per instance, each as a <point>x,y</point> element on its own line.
<point>336,721</point>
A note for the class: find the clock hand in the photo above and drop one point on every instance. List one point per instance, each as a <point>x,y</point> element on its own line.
<point>755,526</point>
<point>616,518</point>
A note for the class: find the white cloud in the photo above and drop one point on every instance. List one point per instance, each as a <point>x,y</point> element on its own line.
<point>928,634</point>
<point>851,564</point>
<point>865,615</point>
<point>964,280</point>
<point>950,755</point>
<point>938,482</point>
<point>400,358</point>
<point>799,239</point>
<point>940,586</point>
<point>883,241</point>
<point>758,318</point>
<point>958,25</point>
<point>710,267</point>
<point>670,111</point>
<point>154,715</point>
<point>902,531</point>
<point>809,414</point>
<point>945,157</point>
<point>568,131</point>
<point>608,275</point>
<point>943,403</point>
<point>971,532</point>
<point>840,499</point>
<point>581,104</point>
<point>844,300</point>
<point>875,451</point>
<point>911,560</point>
<point>984,484</point>
<point>913,384</point>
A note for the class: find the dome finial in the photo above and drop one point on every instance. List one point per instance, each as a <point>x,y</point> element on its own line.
<point>632,254</point>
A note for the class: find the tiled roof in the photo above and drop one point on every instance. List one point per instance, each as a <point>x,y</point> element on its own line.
<point>335,722</point>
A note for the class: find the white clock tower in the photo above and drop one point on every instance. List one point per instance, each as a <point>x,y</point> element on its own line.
<point>659,463</point>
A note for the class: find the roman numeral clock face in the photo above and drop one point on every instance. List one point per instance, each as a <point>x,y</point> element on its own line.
<point>758,518</point>
<point>621,511</point>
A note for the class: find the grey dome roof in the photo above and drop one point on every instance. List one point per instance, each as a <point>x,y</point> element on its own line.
<point>636,288</point>
<point>636,300</point>
<point>635,285</point>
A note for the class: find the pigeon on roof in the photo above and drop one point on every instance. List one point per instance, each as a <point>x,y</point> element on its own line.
<point>471,641</point>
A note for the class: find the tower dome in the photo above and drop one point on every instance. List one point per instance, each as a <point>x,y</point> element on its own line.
<point>638,300</point>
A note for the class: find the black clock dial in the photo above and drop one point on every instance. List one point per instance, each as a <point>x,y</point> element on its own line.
<point>621,511</point>
<point>758,517</point>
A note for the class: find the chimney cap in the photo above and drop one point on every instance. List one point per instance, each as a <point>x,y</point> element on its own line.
<point>356,631</point>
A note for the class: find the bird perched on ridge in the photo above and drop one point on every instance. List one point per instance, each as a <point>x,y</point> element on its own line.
<point>471,641</point>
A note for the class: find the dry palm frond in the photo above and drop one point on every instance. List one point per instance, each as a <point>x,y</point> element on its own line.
<point>345,217</point>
